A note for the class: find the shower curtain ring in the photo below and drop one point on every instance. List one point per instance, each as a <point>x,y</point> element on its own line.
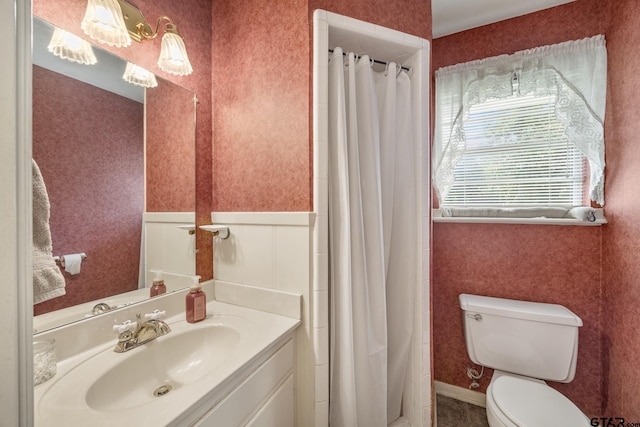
<point>347,57</point>
<point>410,72</point>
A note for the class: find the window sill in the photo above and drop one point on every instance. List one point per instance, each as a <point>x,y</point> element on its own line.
<point>600,220</point>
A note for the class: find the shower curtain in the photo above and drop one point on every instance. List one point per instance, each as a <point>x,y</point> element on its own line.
<point>372,239</point>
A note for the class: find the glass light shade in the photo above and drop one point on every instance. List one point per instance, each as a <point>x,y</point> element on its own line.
<point>173,55</point>
<point>71,47</point>
<point>139,76</point>
<point>103,21</point>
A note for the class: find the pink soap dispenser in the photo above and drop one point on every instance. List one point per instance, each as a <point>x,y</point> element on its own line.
<point>158,287</point>
<point>196,302</point>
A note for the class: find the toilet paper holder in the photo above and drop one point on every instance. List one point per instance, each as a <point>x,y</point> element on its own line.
<point>60,259</point>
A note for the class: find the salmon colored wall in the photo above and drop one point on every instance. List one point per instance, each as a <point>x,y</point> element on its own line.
<point>261,106</point>
<point>262,83</point>
<point>194,23</point>
<point>572,21</point>
<point>621,237</point>
<point>555,264</point>
<point>170,151</point>
<point>101,140</point>
<point>409,16</point>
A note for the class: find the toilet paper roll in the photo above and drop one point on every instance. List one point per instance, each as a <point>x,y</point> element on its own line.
<point>72,263</point>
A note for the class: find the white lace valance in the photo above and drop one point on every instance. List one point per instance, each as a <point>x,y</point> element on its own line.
<point>573,72</point>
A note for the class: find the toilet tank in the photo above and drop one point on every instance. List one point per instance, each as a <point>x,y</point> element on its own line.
<point>527,338</point>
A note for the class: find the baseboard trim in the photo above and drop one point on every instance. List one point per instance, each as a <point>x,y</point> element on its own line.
<point>460,393</point>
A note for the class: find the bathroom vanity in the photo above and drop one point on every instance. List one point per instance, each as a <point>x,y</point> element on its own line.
<point>234,368</point>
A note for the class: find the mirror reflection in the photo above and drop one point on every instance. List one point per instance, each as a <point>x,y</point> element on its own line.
<point>118,163</point>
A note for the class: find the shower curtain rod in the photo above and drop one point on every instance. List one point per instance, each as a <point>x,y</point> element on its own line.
<point>407,69</point>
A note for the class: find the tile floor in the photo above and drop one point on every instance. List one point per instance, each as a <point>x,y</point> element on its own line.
<point>455,413</point>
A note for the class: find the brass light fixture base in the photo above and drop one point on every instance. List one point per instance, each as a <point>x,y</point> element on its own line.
<point>138,27</point>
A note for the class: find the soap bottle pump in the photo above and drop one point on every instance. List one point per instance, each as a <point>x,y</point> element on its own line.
<point>196,302</point>
<point>158,287</point>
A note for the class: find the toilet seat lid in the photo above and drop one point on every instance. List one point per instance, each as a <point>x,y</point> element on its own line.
<point>532,404</point>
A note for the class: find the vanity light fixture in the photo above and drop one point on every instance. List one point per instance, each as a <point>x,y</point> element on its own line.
<point>173,53</point>
<point>139,76</point>
<point>103,21</point>
<point>71,47</point>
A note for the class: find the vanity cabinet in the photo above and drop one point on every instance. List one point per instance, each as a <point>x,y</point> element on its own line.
<point>263,398</point>
<point>236,368</point>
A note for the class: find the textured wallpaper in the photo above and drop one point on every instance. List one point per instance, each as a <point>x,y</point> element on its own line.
<point>170,149</point>
<point>621,238</point>
<point>262,156</point>
<point>262,83</point>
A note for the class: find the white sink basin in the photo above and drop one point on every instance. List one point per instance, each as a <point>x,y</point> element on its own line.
<point>174,364</point>
<point>163,365</point>
<point>191,368</point>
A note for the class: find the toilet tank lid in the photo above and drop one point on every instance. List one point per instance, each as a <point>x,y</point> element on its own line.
<point>526,310</point>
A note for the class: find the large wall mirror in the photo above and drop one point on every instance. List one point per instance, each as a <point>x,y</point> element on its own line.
<point>118,162</point>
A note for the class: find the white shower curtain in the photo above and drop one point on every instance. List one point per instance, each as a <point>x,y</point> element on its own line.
<point>373,244</point>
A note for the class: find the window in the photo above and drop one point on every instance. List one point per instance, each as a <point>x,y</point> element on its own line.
<point>521,130</point>
<point>517,155</point>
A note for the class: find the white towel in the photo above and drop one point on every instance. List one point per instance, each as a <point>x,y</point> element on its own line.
<point>48,281</point>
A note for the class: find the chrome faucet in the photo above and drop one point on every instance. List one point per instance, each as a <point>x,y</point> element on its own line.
<point>100,308</point>
<point>135,334</point>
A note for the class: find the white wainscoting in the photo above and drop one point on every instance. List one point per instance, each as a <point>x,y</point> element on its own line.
<point>166,246</point>
<point>265,249</point>
<point>273,250</point>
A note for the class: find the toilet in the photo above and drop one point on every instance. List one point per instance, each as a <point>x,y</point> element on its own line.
<point>525,343</point>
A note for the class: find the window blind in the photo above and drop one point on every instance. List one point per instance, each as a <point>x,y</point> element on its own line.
<point>517,155</point>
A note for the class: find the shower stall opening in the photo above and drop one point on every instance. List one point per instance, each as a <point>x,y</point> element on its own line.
<point>371,237</point>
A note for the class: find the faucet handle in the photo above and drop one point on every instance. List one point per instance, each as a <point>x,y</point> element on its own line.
<point>155,314</point>
<point>127,325</point>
